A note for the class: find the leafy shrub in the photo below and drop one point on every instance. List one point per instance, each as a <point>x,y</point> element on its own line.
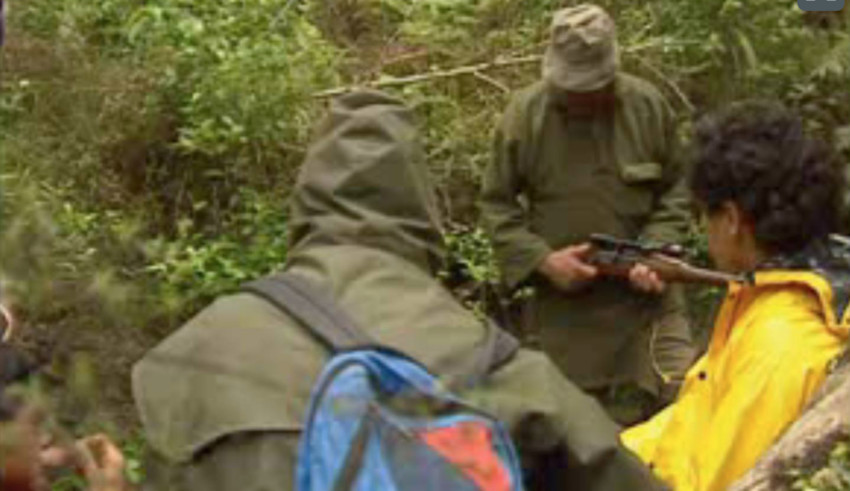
<point>193,267</point>
<point>240,73</point>
<point>471,252</point>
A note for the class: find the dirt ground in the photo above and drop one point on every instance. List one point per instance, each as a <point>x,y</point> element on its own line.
<point>88,372</point>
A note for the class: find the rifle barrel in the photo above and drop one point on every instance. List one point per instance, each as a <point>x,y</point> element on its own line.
<point>670,269</point>
<point>675,270</point>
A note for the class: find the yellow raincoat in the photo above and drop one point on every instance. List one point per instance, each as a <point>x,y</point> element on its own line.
<point>770,350</point>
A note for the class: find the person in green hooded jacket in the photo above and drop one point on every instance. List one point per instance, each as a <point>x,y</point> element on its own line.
<point>224,398</point>
<point>590,149</point>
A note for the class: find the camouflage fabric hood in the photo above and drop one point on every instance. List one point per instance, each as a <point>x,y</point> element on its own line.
<point>364,183</point>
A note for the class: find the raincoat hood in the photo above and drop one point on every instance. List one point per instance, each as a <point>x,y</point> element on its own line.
<point>364,182</point>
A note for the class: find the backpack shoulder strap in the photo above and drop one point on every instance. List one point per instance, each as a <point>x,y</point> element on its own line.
<point>338,331</point>
<point>499,347</point>
<point>312,308</point>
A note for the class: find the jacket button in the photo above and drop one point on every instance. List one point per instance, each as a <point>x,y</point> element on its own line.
<point>702,375</point>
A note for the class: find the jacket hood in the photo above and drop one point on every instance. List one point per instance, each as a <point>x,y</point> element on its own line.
<point>365,182</point>
<point>823,266</point>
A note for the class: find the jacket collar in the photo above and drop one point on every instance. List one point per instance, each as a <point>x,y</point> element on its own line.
<point>823,267</point>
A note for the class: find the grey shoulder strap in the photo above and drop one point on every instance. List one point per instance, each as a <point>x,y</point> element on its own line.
<point>338,331</point>
<point>316,311</point>
<point>499,347</point>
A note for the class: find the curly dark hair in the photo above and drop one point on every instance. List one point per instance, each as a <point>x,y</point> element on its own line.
<point>755,154</point>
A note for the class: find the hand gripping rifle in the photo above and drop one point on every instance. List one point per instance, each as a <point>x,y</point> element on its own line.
<point>616,257</point>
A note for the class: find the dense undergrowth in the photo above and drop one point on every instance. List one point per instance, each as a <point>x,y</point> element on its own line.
<point>147,148</point>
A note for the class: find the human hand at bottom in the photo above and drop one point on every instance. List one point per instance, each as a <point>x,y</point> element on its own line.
<point>103,464</point>
<point>567,268</point>
<point>643,278</point>
<point>28,455</point>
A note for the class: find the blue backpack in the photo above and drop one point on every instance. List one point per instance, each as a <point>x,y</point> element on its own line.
<point>378,420</point>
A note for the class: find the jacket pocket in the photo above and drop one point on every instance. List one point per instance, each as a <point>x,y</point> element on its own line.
<point>641,173</point>
<point>638,185</point>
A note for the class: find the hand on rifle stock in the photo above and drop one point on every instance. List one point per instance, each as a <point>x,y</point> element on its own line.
<point>645,279</point>
<point>567,268</point>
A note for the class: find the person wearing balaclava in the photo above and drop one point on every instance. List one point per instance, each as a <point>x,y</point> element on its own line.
<point>591,149</point>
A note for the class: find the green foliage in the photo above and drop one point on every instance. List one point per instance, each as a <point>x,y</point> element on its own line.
<point>224,96</point>
<point>471,251</point>
<point>70,482</point>
<point>723,49</point>
<point>60,257</point>
<point>833,476</point>
<point>471,269</point>
<point>239,73</point>
<point>134,449</point>
<point>193,267</point>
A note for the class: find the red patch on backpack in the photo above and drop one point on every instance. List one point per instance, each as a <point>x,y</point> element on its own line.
<point>469,446</point>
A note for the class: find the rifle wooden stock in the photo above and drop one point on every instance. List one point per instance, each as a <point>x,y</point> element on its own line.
<point>668,269</point>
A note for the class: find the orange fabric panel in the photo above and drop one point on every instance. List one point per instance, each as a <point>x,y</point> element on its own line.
<point>469,447</point>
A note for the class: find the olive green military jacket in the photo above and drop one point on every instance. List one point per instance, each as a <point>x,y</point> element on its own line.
<point>223,399</point>
<point>558,177</point>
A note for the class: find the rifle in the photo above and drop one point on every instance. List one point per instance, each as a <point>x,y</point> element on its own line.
<point>616,257</point>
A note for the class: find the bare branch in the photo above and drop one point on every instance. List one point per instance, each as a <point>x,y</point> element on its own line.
<point>435,75</point>
<point>492,81</point>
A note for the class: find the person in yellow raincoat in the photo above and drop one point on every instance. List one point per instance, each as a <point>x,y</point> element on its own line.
<point>770,198</point>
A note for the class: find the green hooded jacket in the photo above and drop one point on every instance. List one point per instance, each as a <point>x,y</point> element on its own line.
<point>223,398</point>
<point>558,177</point>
